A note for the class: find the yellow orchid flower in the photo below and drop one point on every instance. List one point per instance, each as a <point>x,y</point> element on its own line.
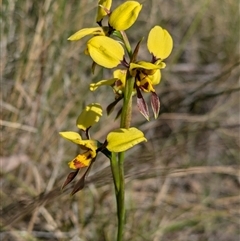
<point>117,141</point>
<point>117,83</point>
<point>89,116</point>
<point>146,74</point>
<point>89,146</point>
<point>125,15</point>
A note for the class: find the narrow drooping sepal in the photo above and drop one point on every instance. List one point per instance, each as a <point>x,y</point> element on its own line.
<point>118,114</point>
<point>70,178</point>
<point>123,139</point>
<point>111,106</point>
<point>155,103</point>
<point>142,106</point>
<point>81,183</point>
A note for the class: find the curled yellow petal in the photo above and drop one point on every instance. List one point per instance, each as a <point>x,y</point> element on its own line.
<point>90,145</point>
<point>155,78</point>
<point>89,116</point>
<point>144,65</point>
<point>105,51</point>
<point>159,42</point>
<point>125,15</point>
<point>160,63</point>
<point>86,31</point>
<point>123,139</point>
<point>71,136</point>
<point>76,138</point>
<point>94,86</point>
<point>103,5</point>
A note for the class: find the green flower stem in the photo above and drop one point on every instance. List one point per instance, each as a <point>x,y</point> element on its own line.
<point>120,196</point>
<point>118,166</point>
<point>127,103</point>
<point>115,172</point>
<point>118,176</point>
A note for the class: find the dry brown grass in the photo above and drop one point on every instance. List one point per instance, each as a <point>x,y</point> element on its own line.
<point>183,184</point>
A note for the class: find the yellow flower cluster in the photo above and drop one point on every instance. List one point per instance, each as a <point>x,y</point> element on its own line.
<point>109,47</point>
<point>118,140</point>
<point>109,52</point>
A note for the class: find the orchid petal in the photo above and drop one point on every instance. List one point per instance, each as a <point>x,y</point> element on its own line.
<point>86,31</point>
<point>89,116</point>
<point>105,51</point>
<point>94,86</point>
<point>156,77</point>
<point>103,5</point>
<point>123,139</point>
<point>125,15</point>
<point>71,136</point>
<point>144,65</point>
<point>159,42</point>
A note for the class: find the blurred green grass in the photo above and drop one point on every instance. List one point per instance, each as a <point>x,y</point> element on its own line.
<point>181,185</point>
